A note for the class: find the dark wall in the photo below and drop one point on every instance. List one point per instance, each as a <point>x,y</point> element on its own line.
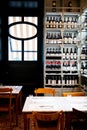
<point>28,74</point>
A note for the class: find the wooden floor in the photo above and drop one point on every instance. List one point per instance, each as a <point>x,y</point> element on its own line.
<point>4,122</point>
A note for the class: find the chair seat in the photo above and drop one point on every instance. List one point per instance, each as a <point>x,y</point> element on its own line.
<point>45,91</point>
<point>73,94</point>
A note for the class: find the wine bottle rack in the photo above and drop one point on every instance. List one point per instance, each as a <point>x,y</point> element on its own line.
<point>63,46</point>
<point>83,55</point>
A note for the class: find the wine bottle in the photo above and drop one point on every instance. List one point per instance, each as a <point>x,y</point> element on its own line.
<point>67,81</point>
<point>71,54</point>
<point>63,53</point>
<point>60,22</point>
<point>53,80</point>
<point>59,80</point>
<point>66,38</point>
<point>49,80</point>
<point>85,67</point>
<point>46,79</point>
<point>82,68</point>
<point>75,23</point>
<point>50,23</point>
<point>64,67</point>
<point>72,23</point>
<point>73,80</point>
<point>70,80</point>
<point>54,38</point>
<point>54,22</point>
<point>74,39</point>
<point>47,22</point>
<point>57,23</point>
<point>70,6</point>
<point>54,6</point>
<point>75,53</point>
<point>67,53</point>
<point>65,23</point>
<point>70,38</point>
<point>63,80</point>
<point>68,23</point>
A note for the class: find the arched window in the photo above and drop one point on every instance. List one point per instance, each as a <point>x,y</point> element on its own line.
<point>22,38</point>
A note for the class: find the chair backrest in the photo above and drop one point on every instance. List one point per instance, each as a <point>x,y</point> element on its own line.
<point>79,119</point>
<point>49,91</point>
<point>48,120</point>
<point>80,114</point>
<point>73,94</point>
<point>5,93</point>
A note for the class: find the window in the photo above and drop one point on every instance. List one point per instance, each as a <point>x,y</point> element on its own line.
<point>22,38</point>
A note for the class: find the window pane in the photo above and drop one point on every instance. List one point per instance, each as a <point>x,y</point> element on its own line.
<point>15,50</point>
<point>30,56</point>
<point>30,45</point>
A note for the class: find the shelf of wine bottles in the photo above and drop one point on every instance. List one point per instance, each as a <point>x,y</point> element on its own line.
<point>66,22</point>
<point>84,67</point>
<point>57,38</point>
<point>84,84</point>
<point>61,50</point>
<point>84,50</point>
<point>84,20</point>
<point>66,80</point>
<point>83,56</point>
<point>53,51</point>
<point>55,66</point>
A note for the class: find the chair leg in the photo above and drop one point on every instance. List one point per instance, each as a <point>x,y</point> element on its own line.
<point>10,119</point>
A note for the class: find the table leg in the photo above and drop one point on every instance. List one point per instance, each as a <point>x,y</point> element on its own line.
<point>25,122</point>
<point>17,110</point>
<point>20,101</point>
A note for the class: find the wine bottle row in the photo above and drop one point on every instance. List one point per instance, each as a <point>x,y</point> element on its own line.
<point>66,54</point>
<point>70,67</point>
<point>51,51</point>
<point>53,65</point>
<point>84,67</point>
<point>59,22</point>
<point>69,54</point>
<point>67,67</point>
<point>56,37</point>
<point>65,80</point>
<point>84,50</point>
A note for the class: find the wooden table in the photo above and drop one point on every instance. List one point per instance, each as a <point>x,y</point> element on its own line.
<point>44,104</point>
<point>17,95</point>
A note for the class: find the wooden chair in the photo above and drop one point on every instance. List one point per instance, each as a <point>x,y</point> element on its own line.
<point>48,120</point>
<point>6,104</point>
<point>45,91</point>
<point>73,94</point>
<point>78,120</point>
